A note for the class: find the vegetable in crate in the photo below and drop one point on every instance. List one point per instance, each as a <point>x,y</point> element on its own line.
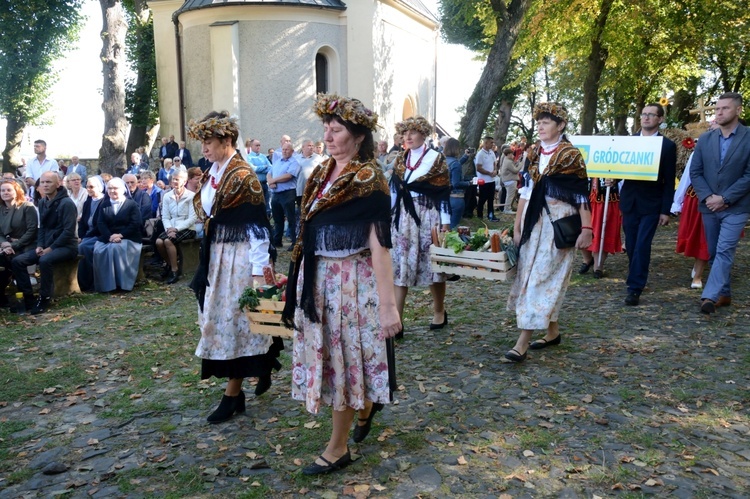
<point>249,299</point>
<point>479,239</point>
<point>453,241</point>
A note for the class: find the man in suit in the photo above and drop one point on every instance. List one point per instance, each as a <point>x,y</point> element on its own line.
<point>76,167</point>
<point>141,198</point>
<point>720,173</point>
<point>646,205</point>
<point>184,154</point>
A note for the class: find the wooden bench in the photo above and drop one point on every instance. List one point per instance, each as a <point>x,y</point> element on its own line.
<point>65,277</point>
<point>188,256</point>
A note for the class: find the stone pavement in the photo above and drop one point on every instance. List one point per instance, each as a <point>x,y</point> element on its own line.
<point>647,400</point>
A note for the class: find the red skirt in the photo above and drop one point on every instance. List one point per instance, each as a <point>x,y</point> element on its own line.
<point>612,237</point>
<point>691,240</point>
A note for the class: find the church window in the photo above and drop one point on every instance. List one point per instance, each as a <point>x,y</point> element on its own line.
<point>321,73</point>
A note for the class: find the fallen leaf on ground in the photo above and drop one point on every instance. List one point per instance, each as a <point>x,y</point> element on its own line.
<point>462,461</point>
<point>587,399</point>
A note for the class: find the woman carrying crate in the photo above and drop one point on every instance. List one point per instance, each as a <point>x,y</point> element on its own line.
<point>340,292</point>
<point>556,187</point>
<point>233,253</point>
<point>420,197</point>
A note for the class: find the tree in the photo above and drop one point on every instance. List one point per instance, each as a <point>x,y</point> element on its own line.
<point>596,60</point>
<point>504,18</point>
<point>141,106</point>
<point>34,34</point>
<point>112,153</point>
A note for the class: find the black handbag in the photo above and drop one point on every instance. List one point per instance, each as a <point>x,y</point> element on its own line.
<point>566,229</point>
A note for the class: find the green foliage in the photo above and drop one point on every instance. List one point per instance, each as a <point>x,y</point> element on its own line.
<point>34,34</point>
<point>141,96</point>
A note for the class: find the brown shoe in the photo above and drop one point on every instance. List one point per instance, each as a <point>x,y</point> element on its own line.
<point>708,307</point>
<point>723,301</point>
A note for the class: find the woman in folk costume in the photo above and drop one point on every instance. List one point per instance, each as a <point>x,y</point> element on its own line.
<point>340,292</point>
<point>233,253</point>
<point>691,240</point>
<point>557,180</point>
<point>612,237</point>
<point>420,199</point>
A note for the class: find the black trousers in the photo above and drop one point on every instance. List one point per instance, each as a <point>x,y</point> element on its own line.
<point>20,262</point>
<point>486,195</point>
<point>282,204</point>
<point>470,199</point>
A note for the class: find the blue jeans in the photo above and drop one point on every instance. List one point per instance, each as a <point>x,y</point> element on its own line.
<point>457,210</point>
<point>639,233</point>
<point>723,232</point>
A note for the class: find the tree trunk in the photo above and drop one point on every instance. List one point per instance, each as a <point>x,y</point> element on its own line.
<point>503,121</point>
<point>508,19</point>
<point>112,153</point>
<point>621,105</point>
<point>145,77</point>
<point>597,59</point>
<point>13,138</point>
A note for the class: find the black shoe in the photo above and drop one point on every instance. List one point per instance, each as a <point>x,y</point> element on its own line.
<point>41,306</point>
<point>173,277</point>
<point>632,299</point>
<point>361,431</point>
<point>598,274</point>
<point>227,408</point>
<point>493,218</point>
<point>441,326</point>
<point>165,271</point>
<point>320,469</point>
<point>264,383</point>
<point>585,267</point>
<point>542,343</point>
<point>290,248</point>
<point>454,278</point>
<point>513,355</point>
<point>708,307</point>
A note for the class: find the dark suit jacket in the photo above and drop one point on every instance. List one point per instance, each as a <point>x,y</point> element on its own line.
<point>730,179</point>
<point>643,197</point>
<point>187,159</point>
<point>127,222</point>
<point>143,200</point>
<point>84,229</point>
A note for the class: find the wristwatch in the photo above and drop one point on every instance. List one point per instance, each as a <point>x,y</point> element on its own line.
<point>726,201</point>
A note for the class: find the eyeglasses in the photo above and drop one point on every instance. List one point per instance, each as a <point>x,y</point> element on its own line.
<point>649,115</point>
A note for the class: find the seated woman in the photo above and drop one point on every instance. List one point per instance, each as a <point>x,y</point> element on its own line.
<point>88,234</point>
<point>118,250</point>
<point>178,216</point>
<point>18,228</point>
<point>76,192</point>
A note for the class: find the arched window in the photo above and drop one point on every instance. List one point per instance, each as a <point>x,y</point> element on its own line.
<point>321,73</point>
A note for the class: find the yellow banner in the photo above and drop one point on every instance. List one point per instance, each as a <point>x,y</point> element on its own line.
<point>620,157</point>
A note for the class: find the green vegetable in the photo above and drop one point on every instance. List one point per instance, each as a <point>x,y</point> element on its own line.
<point>478,239</point>
<point>454,241</point>
<point>249,299</point>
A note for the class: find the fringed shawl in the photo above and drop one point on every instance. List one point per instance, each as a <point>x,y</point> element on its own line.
<point>564,179</point>
<point>434,186</point>
<point>238,213</point>
<point>357,202</point>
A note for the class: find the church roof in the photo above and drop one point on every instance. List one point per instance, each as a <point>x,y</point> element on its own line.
<point>326,4</point>
<point>418,7</point>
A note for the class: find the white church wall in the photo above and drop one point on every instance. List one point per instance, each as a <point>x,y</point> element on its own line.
<point>275,68</point>
<point>404,52</point>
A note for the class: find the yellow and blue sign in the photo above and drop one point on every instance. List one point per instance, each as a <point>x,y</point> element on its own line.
<point>620,157</point>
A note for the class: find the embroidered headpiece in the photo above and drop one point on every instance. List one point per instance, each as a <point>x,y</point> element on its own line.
<point>217,126</point>
<point>351,110</point>
<point>554,108</point>
<point>418,123</point>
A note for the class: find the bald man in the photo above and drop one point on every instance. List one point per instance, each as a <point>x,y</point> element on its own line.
<point>56,242</point>
<point>141,197</point>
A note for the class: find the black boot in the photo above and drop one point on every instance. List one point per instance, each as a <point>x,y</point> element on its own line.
<point>264,383</point>
<point>165,271</point>
<point>173,277</point>
<point>41,306</point>
<point>227,408</point>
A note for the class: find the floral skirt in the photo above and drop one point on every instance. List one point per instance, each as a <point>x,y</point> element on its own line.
<point>543,273</point>
<point>341,361</point>
<point>411,248</point>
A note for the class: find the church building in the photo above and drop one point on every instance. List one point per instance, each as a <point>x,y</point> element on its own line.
<point>265,60</point>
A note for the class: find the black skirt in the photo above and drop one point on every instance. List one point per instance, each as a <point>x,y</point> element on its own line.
<point>255,366</point>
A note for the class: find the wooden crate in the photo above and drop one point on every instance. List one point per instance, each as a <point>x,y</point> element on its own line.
<point>267,319</point>
<point>481,264</point>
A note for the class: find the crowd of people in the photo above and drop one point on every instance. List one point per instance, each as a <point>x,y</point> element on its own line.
<point>361,218</point>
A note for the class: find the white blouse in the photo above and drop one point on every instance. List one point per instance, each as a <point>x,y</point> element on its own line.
<point>424,167</point>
